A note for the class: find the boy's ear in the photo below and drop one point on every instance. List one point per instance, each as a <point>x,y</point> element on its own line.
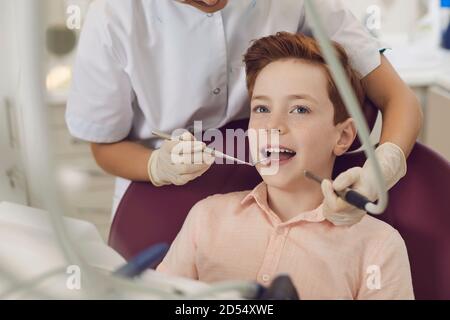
<point>347,134</point>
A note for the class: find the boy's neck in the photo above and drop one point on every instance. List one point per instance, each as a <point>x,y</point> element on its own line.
<point>287,203</point>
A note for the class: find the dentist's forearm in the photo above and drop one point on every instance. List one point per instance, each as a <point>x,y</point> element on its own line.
<point>402,122</point>
<point>402,114</point>
<point>124,159</point>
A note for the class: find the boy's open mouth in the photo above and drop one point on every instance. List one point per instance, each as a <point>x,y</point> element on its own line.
<point>281,154</point>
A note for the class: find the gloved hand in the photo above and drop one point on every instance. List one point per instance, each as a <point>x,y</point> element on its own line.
<point>179,161</point>
<point>393,167</point>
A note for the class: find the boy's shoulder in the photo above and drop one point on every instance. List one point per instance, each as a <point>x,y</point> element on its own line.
<point>217,206</point>
<point>218,209</point>
<point>375,229</point>
<point>223,201</point>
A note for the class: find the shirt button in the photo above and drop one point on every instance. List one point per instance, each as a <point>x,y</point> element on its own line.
<point>216,91</point>
<point>210,15</point>
<point>266,278</point>
<point>280,232</point>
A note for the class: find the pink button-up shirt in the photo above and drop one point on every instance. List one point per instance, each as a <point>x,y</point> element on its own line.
<point>237,236</point>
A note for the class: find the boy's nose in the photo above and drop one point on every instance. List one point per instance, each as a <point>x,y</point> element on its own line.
<point>276,123</point>
<point>276,129</point>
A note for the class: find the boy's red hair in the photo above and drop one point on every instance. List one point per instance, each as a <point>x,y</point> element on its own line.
<point>286,45</point>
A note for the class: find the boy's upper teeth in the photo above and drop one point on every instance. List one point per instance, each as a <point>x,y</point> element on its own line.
<point>279,150</point>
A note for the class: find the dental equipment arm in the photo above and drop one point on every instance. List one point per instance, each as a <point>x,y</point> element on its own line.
<point>351,103</point>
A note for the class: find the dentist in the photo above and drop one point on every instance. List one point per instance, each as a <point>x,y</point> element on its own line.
<point>151,64</point>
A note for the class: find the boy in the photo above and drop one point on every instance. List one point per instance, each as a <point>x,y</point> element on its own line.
<point>280,226</point>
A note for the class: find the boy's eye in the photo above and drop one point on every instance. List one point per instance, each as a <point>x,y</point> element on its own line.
<point>260,109</point>
<point>301,109</point>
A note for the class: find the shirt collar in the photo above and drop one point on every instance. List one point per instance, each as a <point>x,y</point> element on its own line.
<point>259,195</point>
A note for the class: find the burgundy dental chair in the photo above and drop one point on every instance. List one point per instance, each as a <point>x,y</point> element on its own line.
<point>419,208</point>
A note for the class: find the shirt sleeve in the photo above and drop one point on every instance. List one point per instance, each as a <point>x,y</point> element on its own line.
<point>344,28</point>
<point>99,106</point>
<point>181,258</point>
<point>387,273</point>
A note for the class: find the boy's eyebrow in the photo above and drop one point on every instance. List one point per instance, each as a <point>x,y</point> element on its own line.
<point>291,97</point>
<point>260,98</point>
<point>302,97</point>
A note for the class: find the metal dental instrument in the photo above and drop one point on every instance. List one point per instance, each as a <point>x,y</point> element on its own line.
<point>213,152</point>
<point>351,196</point>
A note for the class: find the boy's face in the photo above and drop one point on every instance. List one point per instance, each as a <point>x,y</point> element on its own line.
<point>292,96</point>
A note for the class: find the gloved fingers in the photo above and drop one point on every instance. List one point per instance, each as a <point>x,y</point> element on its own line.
<point>367,188</point>
<point>184,141</point>
<point>208,157</point>
<point>336,210</point>
<point>330,198</point>
<point>200,170</point>
<point>187,136</point>
<point>182,179</point>
<point>347,179</point>
<point>189,169</point>
<point>332,201</point>
<point>188,147</point>
<point>204,157</point>
<point>177,178</point>
<point>392,159</point>
<point>197,145</point>
<point>190,162</point>
<point>343,206</point>
<point>340,206</point>
<point>196,158</point>
<point>187,152</point>
<point>392,164</point>
<point>178,162</point>
<point>168,145</point>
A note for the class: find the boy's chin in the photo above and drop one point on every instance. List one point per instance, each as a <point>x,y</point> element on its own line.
<point>281,180</point>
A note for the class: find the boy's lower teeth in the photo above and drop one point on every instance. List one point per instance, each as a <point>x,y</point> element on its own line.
<point>281,156</point>
<point>284,156</point>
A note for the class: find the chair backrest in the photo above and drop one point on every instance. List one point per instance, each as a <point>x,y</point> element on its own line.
<point>419,209</point>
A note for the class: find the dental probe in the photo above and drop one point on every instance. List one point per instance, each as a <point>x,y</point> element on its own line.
<point>213,152</point>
